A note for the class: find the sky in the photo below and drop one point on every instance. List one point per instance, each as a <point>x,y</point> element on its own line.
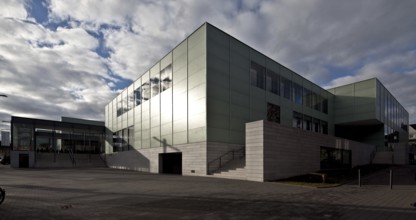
<point>70,58</point>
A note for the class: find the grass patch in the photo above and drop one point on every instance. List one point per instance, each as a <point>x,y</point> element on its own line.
<point>332,178</point>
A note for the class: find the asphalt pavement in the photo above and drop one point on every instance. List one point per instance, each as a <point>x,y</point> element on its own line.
<point>103,193</point>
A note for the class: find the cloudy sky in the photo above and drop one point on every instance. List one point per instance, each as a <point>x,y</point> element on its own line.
<point>70,58</point>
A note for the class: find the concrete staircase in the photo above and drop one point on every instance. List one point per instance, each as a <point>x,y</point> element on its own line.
<point>383,157</point>
<point>233,170</point>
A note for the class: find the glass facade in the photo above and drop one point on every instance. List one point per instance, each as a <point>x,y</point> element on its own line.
<point>166,77</point>
<point>395,117</point>
<point>210,85</point>
<point>45,136</point>
<point>279,85</point>
<point>309,123</point>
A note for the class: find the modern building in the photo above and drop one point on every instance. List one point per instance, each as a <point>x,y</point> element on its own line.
<point>4,146</point>
<point>213,104</point>
<point>412,143</point>
<point>70,142</point>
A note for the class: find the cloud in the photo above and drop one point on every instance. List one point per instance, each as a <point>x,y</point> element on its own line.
<point>88,47</point>
<point>13,9</point>
<point>41,70</point>
<point>397,72</point>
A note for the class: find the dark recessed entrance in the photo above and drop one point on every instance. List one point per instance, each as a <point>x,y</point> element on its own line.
<point>170,163</point>
<point>24,160</point>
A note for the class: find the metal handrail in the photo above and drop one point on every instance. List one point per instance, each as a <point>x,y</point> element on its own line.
<point>71,156</point>
<point>222,160</point>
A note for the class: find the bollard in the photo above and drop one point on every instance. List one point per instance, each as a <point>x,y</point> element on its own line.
<point>391,179</point>
<point>359,178</point>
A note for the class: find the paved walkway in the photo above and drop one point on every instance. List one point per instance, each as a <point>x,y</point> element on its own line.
<point>103,193</point>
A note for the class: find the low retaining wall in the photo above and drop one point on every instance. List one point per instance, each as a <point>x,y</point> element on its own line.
<point>274,151</point>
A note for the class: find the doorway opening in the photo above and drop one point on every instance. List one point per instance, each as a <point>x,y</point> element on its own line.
<point>170,163</point>
<point>23,160</point>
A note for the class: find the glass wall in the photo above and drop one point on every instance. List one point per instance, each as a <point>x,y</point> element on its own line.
<point>332,158</point>
<point>279,85</point>
<point>395,117</point>
<point>309,123</point>
<point>166,77</point>
<point>23,136</point>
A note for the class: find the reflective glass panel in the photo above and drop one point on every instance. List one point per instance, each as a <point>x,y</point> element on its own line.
<point>257,75</point>
<point>285,87</point>
<point>166,77</point>
<point>272,82</point>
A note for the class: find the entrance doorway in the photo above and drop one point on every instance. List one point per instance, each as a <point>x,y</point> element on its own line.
<point>23,160</point>
<point>170,163</point>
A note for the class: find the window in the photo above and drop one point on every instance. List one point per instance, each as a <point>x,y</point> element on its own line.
<point>315,125</point>
<point>166,77</point>
<point>332,158</point>
<point>138,96</point>
<point>125,104</point>
<point>297,93</point>
<point>318,101</point>
<point>307,97</point>
<point>285,87</point>
<point>155,85</point>
<point>325,106</point>
<point>120,110</point>
<point>117,142</point>
<point>297,120</point>
<point>307,123</point>
<point>272,82</point>
<point>145,91</point>
<point>324,127</point>
<point>257,75</point>
<point>130,101</point>
<point>273,113</point>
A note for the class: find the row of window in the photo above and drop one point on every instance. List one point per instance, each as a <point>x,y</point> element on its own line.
<point>123,140</point>
<point>394,114</point>
<point>150,88</point>
<point>309,123</point>
<point>300,120</point>
<point>264,78</point>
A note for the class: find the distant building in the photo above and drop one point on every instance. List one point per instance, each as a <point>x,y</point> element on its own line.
<point>214,104</point>
<point>70,142</point>
<point>5,139</point>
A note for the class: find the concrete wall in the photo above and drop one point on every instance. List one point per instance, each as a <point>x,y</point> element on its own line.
<point>14,158</point>
<point>194,159</point>
<point>401,154</point>
<point>274,151</point>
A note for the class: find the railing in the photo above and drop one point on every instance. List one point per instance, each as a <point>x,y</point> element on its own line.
<point>224,159</point>
<point>103,158</point>
<point>72,156</point>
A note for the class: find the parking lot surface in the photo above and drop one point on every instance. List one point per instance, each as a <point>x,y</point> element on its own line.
<point>103,193</point>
